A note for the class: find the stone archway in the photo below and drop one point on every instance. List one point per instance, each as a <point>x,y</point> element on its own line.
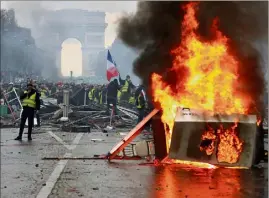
<point>85,26</point>
<point>71,58</point>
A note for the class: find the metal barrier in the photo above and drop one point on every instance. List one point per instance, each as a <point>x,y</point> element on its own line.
<point>6,97</point>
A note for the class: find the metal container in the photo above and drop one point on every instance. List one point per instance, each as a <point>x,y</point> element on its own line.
<point>190,126</point>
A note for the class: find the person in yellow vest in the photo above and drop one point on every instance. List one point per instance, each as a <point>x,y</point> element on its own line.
<point>96,95</point>
<point>132,100</point>
<point>43,92</point>
<point>141,102</point>
<point>31,103</point>
<point>91,94</point>
<point>127,85</point>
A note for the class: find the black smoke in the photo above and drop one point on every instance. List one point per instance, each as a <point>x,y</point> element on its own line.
<point>155,29</point>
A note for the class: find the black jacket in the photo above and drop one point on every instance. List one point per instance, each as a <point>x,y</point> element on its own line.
<point>104,91</point>
<point>24,95</point>
<point>112,89</point>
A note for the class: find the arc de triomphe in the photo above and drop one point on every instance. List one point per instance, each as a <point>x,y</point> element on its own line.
<point>86,26</point>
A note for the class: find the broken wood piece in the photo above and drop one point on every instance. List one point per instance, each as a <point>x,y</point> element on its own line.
<point>131,135</point>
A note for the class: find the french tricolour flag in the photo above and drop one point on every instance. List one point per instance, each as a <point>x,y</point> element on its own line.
<point>111,70</point>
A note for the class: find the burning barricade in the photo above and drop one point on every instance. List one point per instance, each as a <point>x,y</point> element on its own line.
<point>210,84</point>
<point>210,69</point>
<point>214,139</point>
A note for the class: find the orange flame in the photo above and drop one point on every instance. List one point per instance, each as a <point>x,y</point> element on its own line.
<point>259,121</point>
<point>209,136</point>
<point>196,164</point>
<point>230,146</point>
<point>211,80</point>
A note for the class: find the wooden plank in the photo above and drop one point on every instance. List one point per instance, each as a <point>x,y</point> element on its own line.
<point>131,135</point>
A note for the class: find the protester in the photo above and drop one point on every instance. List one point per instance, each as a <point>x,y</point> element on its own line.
<point>31,103</point>
<point>127,85</point>
<point>112,90</point>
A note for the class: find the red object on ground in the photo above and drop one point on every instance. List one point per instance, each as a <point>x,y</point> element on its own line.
<point>131,135</point>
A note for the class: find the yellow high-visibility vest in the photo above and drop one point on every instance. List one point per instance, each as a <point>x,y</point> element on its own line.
<point>95,96</point>
<point>91,94</point>
<point>101,97</point>
<point>132,100</point>
<point>43,93</point>
<point>29,102</point>
<point>139,106</point>
<point>125,86</point>
<point>118,95</point>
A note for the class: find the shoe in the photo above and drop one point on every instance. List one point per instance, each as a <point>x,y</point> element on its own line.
<point>29,138</point>
<point>18,138</point>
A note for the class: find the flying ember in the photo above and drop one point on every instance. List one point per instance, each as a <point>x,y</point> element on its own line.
<point>210,76</point>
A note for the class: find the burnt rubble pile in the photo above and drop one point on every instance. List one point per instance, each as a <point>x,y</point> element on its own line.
<point>92,115</point>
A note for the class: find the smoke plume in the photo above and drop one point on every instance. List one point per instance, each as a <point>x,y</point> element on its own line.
<point>30,15</point>
<point>155,29</point>
<point>26,14</point>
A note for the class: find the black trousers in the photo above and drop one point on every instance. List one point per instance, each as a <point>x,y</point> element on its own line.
<point>111,101</point>
<point>37,119</point>
<point>141,114</point>
<point>27,113</point>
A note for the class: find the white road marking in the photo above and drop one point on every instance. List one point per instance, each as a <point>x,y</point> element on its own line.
<point>46,190</point>
<point>76,141</point>
<point>59,140</point>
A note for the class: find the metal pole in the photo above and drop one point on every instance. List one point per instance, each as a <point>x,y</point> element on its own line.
<point>66,103</point>
<point>17,97</point>
<point>85,97</point>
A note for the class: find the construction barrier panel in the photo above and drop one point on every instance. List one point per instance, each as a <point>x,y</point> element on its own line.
<point>199,137</point>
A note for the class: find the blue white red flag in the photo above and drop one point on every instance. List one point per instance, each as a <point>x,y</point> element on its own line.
<point>111,70</point>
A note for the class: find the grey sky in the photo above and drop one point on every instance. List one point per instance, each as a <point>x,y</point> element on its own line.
<point>113,9</point>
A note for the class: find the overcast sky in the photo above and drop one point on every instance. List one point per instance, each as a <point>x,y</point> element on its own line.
<point>113,9</point>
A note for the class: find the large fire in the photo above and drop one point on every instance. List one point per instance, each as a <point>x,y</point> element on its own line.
<point>229,146</point>
<point>208,141</point>
<point>210,84</point>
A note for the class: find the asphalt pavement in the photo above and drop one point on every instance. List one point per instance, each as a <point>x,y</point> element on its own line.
<point>24,174</point>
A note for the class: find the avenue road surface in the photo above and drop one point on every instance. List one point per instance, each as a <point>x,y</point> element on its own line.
<point>25,175</point>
